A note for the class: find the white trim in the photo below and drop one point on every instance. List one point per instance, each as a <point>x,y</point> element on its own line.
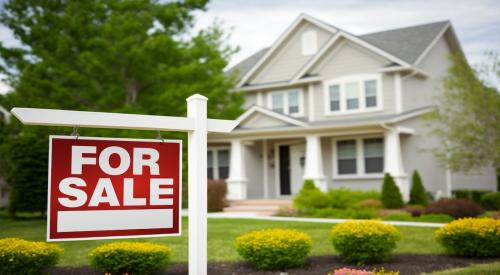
<point>398,89</point>
<point>280,85</point>
<point>270,113</point>
<point>431,45</point>
<point>309,42</point>
<point>342,81</point>
<point>265,169</point>
<point>281,39</point>
<point>360,164</point>
<point>310,102</point>
<point>286,102</point>
<point>260,99</point>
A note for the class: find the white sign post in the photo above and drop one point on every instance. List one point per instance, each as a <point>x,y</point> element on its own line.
<point>195,124</point>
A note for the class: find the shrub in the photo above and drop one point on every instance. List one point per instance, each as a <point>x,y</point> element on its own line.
<point>457,208</point>
<point>344,198</point>
<point>310,197</point>
<point>363,242</point>
<point>130,257</point>
<point>391,197</point>
<point>216,192</point>
<point>18,256</point>
<point>274,248</point>
<point>415,210</point>
<point>470,194</point>
<point>491,201</point>
<point>370,203</point>
<point>344,213</point>
<point>418,194</point>
<point>472,237</point>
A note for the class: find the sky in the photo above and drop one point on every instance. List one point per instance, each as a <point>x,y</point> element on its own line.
<point>255,24</point>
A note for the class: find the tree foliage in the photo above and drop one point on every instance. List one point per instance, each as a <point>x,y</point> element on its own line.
<point>391,196</point>
<point>138,56</point>
<point>466,118</point>
<point>418,195</point>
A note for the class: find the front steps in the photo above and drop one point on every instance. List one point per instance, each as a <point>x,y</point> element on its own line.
<point>261,207</point>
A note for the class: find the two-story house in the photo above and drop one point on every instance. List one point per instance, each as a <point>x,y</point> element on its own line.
<point>340,109</point>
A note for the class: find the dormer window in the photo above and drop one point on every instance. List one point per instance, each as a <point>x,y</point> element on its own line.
<point>309,43</point>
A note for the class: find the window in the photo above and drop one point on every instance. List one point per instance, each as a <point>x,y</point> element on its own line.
<point>210,165</point>
<point>286,102</point>
<point>223,162</point>
<point>218,163</point>
<point>371,93</point>
<point>373,149</point>
<point>346,154</point>
<point>334,97</point>
<point>353,94</point>
<point>309,43</point>
<point>278,102</point>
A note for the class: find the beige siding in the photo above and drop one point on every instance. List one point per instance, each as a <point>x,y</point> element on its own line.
<point>250,100</point>
<point>262,121</point>
<point>421,92</point>
<point>288,59</point>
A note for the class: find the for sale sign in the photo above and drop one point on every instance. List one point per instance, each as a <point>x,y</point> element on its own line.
<point>102,188</point>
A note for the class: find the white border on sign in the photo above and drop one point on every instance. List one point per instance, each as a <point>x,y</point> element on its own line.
<point>179,141</point>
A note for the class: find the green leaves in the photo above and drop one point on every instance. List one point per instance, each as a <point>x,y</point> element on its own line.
<point>391,196</point>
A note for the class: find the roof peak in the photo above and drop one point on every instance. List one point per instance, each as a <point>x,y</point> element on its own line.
<point>406,27</point>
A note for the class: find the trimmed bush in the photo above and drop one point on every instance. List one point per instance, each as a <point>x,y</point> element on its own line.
<point>130,257</point>
<point>364,242</point>
<point>273,249</point>
<point>216,195</point>
<point>18,256</point>
<point>344,198</point>
<point>391,196</point>
<point>418,195</point>
<point>471,237</point>
<point>310,198</point>
<point>415,210</point>
<point>470,194</point>
<point>491,201</point>
<point>457,208</point>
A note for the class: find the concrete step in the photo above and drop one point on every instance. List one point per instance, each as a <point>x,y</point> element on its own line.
<point>259,207</point>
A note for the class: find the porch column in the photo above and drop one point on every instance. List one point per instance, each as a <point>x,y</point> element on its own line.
<point>393,162</point>
<point>314,162</point>
<point>237,181</point>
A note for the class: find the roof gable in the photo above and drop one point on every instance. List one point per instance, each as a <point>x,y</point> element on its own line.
<point>260,117</point>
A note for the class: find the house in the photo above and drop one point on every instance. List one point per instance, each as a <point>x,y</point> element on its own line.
<point>340,109</point>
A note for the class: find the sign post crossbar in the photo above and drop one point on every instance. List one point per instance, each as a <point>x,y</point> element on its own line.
<point>196,124</point>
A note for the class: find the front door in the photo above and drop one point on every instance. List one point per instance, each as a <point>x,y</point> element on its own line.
<point>284,171</point>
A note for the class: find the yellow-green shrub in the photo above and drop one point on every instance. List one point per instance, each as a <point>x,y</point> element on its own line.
<point>18,256</point>
<point>130,257</point>
<point>472,237</point>
<point>274,248</point>
<point>363,242</point>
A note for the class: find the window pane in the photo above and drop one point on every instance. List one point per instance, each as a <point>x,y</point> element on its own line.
<point>371,93</point>
<point>210,169</point>
<point>223,172</point>
<point>334,98</point>
<point>373,149</point>
<point>293,102</point>
<point>223,162</point>
<point>277,102</point>
<point>346,155</point>
<point>352,95</point>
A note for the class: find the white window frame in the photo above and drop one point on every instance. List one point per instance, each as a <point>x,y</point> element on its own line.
<point>360,159</point>
<point>342,81</point>
<point>215,159</point>
<point>309,43</point>
<point>285,102</point>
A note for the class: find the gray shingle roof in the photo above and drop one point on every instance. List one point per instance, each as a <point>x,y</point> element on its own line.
<point>405,43</point>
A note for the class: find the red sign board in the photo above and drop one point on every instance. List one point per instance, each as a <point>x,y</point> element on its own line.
<point>103,188</point>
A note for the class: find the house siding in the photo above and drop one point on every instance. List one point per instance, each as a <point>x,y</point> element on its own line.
<point>288,59</point>
<point>255,185</point>
<point>421,92</point>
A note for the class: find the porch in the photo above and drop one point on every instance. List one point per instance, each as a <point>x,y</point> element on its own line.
<point>274,165</point>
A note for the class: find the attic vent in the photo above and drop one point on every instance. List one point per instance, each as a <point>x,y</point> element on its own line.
<point>309,42</point>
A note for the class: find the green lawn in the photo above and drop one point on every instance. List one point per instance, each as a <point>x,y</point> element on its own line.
<point>221,235</point>
<point>483,269</point>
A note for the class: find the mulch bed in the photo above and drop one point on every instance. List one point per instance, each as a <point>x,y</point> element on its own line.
<point>404,263</point>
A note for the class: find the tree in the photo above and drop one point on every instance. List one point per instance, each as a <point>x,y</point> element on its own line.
<point>110,55</point>
<point>418,195</point>
<point>466,118</point>
<point>391,196</point>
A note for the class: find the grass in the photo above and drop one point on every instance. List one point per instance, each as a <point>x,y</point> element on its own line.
<point>221,235</point>
<point>483,269</point>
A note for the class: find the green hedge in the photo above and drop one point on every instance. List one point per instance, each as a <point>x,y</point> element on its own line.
<point>491,201</point>
<point>470,194</point>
